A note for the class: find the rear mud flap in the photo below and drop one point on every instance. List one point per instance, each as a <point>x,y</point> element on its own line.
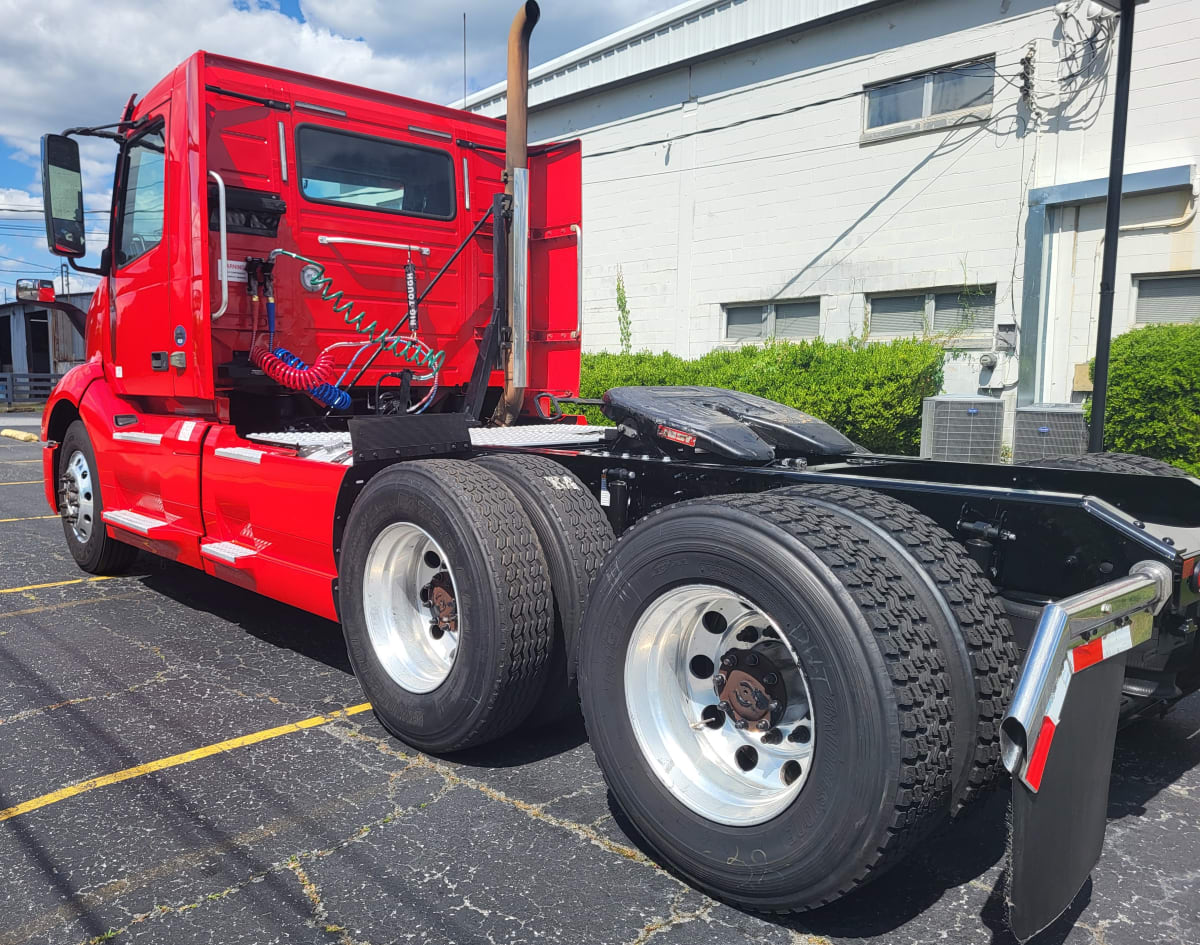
<point>1057,833</point>
<point>1058,737</point>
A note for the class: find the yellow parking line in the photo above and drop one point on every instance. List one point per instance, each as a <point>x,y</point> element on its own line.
<point>28,518</point>
<point>174,760</point>
<point>27,482</point>
<point>38,587</point>
<point>46,608</point>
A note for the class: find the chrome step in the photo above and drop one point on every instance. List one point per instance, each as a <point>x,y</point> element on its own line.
<point>227,552</point>
<point>133,521</point>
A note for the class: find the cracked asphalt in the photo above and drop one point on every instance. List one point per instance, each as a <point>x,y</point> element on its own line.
<point>338,833</point>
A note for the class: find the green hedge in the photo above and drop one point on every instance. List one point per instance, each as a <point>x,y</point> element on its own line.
<point>872,392</point>
<point>1154,395</point>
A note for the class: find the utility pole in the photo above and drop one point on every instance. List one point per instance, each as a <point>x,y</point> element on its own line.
<point>1112,224</point>
<point>464,104</point>
<point>65,274</point>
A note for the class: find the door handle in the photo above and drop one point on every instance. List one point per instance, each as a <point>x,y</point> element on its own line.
<point>158,361</point>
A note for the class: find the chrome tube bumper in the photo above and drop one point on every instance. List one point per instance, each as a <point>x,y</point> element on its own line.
<point>1071,635</point>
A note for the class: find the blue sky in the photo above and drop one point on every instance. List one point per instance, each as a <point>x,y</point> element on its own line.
<point>54,77</point>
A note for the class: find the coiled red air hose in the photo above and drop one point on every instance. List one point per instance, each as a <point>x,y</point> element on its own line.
<point>283,373</point>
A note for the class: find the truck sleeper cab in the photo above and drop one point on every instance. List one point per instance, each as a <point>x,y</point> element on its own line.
<point>332,359</point>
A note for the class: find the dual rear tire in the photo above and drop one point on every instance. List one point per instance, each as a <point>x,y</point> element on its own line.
<point>462,590</point>
<point>897,664</point>
<point>785,691</point>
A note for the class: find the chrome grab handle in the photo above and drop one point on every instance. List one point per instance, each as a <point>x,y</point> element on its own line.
<point>223,261</point>
<point>355,241</point>
<point>578,231</point>
<point>1089,616</point>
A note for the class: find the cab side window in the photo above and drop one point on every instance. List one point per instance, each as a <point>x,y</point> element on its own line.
<point>143,198</point>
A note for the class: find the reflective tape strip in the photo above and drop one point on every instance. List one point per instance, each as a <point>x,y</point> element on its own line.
<point>1118,641</point>
<point>1089,654</point>
<point>1041,748</point>
<point>186,429</point>
<point>1041,751</point>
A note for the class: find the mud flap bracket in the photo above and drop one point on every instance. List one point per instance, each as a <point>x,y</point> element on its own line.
<point>1058,736</point>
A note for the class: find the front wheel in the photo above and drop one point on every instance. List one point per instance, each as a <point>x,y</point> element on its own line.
<point>766,698</point>
<point>80,503</point>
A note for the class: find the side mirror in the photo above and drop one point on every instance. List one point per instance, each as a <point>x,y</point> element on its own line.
<point>35,290</point>
<point>62,196</point>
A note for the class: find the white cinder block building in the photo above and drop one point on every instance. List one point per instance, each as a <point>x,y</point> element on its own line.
<point>875,168</point>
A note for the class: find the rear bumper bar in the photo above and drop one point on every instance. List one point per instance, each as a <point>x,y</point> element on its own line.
<point>1072,635</point>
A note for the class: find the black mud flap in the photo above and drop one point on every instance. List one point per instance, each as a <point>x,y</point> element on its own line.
<point>1057,833</point>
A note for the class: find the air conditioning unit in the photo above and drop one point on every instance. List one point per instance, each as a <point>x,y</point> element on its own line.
<point>962,428</point>
<point>1044,431</point>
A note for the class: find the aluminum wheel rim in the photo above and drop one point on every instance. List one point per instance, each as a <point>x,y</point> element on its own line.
<point>405,571</point>
<point>76,499</point>
<point>672,706</point>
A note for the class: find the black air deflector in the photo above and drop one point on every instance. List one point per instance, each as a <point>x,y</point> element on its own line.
<point>249,212</point>
<point>726,422</point>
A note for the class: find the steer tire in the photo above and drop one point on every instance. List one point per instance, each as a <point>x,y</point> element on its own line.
<point>502,589</point>
<point>99,553</point>
<point>879,775</point>
<point>961,606</point>
<point>1128,463</point>
<point>575,535</point>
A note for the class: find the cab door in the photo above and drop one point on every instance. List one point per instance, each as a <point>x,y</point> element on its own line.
<point>144,329</point>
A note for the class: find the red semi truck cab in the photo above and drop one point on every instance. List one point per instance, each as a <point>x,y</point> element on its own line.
<point>260,210</point>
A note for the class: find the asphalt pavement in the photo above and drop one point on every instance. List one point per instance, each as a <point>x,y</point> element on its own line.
<point>184,761</point>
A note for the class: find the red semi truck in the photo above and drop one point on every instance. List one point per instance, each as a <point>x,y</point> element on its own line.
<point>333,357</point>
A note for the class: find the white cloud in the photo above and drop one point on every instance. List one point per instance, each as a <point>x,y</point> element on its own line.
<point>75,62</point>
<point>435,30</point>
<point>67,63</point>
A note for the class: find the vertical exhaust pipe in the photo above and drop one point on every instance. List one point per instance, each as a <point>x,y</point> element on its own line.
<point>516,176</point>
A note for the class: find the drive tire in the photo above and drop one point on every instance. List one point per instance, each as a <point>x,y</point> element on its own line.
<point>503,603</point>
<point>99,553</point>
<point>961,606</point>
<point>879,776</point>
<point>575,535</point>
<point>1128,463</point>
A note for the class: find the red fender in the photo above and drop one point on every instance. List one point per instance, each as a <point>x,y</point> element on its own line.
<point>63,403</point>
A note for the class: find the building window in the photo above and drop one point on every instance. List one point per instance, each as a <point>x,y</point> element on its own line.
<point>932,100</point>
<point>962,318</point>
<point>791,320</point>
<point>374,173</point>
<point>1168,299</point>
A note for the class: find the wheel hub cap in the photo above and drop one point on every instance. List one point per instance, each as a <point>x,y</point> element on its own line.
<point>410,602</point>
<point>76,503</point>
<point>753,688</point>
<point>719,704</point>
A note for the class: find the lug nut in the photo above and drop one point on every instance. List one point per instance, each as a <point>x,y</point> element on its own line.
<point>771,679</point>
<point>775,705</point>
<point>764,725</point>
<point>741,723</point>
<point>719,680</point>
<point>751,659</point>
<point>724,707</point>
<point>728,661</point>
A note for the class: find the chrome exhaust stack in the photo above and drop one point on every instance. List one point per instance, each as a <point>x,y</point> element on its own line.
<point>516,185</point>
